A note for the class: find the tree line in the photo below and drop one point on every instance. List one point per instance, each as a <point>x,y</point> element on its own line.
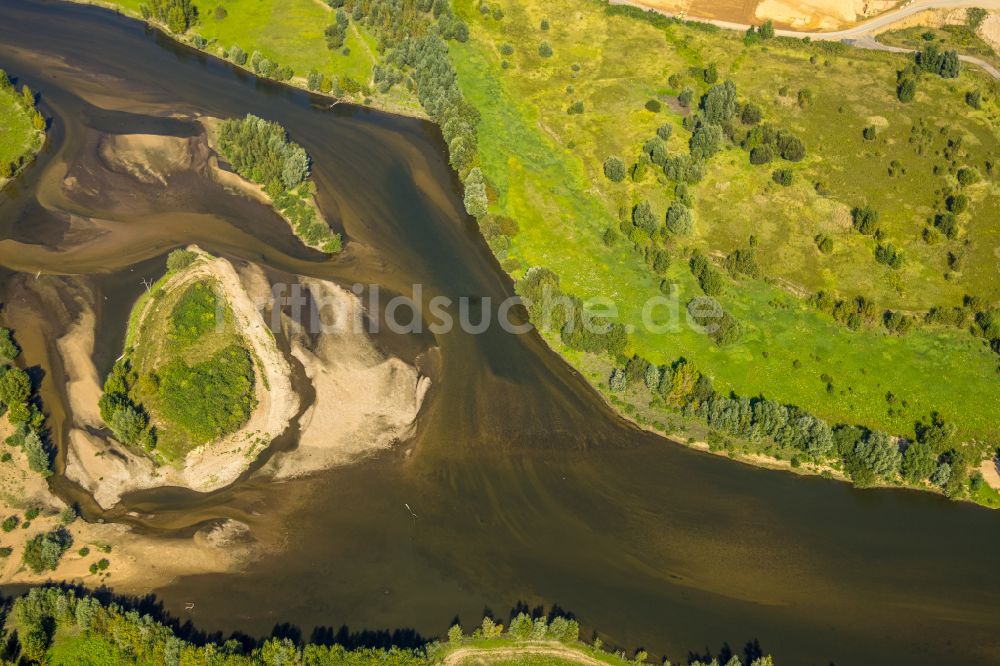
<point>81,629</point>
<point>20,401</point>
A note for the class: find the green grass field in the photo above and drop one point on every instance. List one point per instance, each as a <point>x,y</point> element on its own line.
<point>545,167</point>
<point>18,137</point>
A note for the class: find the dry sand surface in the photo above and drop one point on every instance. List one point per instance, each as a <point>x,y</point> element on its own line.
<point>137,563</point>
<point>365,401</point>
<point>990,472</point>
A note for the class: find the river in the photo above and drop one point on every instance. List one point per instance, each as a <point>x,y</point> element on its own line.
<point>527,489</point>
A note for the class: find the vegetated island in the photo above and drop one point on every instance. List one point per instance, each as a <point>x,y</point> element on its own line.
<point>22,128</point>
<point>203,387</point>
<point>274,170</point>
<point>200,390</point>
<point>54,626</point>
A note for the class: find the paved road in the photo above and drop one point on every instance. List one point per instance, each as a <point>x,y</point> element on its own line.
<point>862,35</point>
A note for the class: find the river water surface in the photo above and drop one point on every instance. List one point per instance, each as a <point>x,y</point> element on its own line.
<point>527,489</point>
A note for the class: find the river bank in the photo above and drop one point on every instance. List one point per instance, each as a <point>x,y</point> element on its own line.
<point>22,129</point>
<point>375,101</point>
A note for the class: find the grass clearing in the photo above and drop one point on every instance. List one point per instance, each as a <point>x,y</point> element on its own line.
<point>545,167</point>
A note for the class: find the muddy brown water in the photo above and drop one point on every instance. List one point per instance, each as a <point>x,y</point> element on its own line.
<point>527,489</point>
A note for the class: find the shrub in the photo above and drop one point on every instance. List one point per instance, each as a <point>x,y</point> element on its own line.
<point>220,13</point>
<point>974,98</point>
<point>868,133</point>
<point>545,50</point>
<point>761,155</point>
<point>643,217</point>
<point>665,131</point>
<point>957,203</point>
<point>180,259</point>
<point>782,177</point>
<point>679,220</point>
<point>865,219</point>
<point>653,106</point>
<point>614,169</point>
<point>824,243</point>
<point>967,176</point>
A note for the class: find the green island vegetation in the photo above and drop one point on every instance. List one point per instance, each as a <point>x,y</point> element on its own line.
<point>22,128</point>
<point>55,626</point>
<point>260,151</point>
<point>187,375</point>
<point>840,235</point>
<point>961,37</point>
<point>309,43</point>
<point>20,402</point>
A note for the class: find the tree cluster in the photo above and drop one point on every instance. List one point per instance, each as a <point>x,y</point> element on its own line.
<point>177,15</point>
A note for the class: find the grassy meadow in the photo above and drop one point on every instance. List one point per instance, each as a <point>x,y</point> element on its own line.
<point>544,166</point>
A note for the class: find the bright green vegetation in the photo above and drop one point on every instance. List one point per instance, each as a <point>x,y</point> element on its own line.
<point>22,128</point>
<point>748,192</point>
<point>260,151</point>
<point>57,627</point>
<point>962,38</point>
<point>23,408</point>
<point>187,377</point>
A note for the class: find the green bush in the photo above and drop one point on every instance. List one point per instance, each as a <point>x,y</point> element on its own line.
<point>43,552</point>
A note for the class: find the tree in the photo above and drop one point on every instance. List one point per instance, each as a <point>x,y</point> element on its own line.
<point>643,218</point>
<point>476,199</point>
<point>296,167</point>
<point>711,74</point>
<point>128,424</point>
<point>706,141</point>
<point>906,89</point>
<point>974,98</point>
<point>38,457</point>
<point>719,104</point>
<point>521,626</point>
<point>919,462</point>
<point>15,386</point>
<point>751,114</point>
<point>237,55</point>
<point>43,551</point>
<point>664,132</point>
<point>767,30</point>
<point>868,133</point>
<point>614,169</point>
<point>545,50</point>
<point>679,220</point>
<point>455,634</point>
